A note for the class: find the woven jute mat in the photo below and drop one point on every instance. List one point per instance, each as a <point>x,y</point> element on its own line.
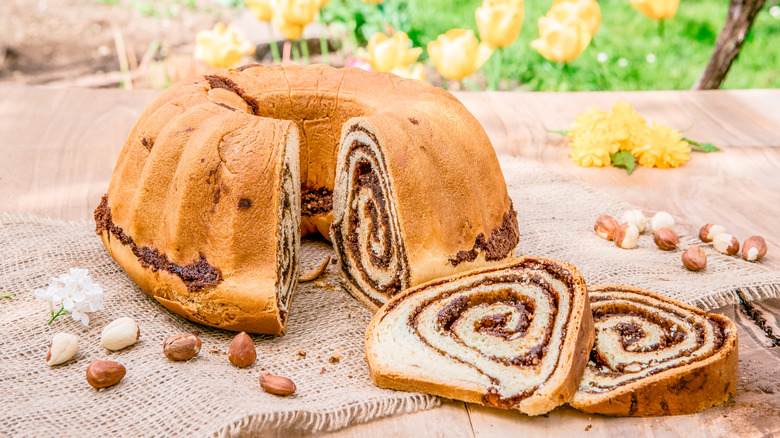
<point>322,350</point>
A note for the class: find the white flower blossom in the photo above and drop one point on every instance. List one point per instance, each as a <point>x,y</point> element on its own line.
<point>73,293</point>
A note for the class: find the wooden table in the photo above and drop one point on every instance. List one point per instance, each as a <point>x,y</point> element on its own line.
<point>59,147</point>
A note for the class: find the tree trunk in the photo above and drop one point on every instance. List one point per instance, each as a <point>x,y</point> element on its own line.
<point>738,22</point>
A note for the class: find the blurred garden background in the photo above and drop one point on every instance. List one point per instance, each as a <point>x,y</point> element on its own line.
<point>582,45</point>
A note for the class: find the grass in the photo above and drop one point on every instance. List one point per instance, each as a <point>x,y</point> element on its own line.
<point>637,56</point>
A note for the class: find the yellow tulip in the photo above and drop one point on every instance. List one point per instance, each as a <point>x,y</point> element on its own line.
<point>418,72</point>
<point>587,11</point>
<point>263,9</point>
<point>458,54</point>
<point>374,2</point>
<point>499,21</point>
<point>322,3</point>
<point>656,9</point>
<point>300,12</point>
<point>221,47</point>
<point>561,41</point>
<point>385,54</point>
<point>291,31</point>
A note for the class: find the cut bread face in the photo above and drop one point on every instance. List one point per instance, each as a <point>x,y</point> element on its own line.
<point>515,336</point>
<point>655,356</point>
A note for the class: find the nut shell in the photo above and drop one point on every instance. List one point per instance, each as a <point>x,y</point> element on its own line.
<point>626,236</point>
<point>605,226</point>
<point>104,373</point>
<point>666,239</point>
<point>277,384</point>
<point>708,232</point>
<point>694,258</point>
<point>754,248</point>
<point>726,244</point>
<point>119,334</point>
<point>182,347</point>
<point>62,349</point>
<point>242,351</point>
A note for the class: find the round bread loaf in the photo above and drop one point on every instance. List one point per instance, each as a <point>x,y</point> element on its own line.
<point>514,336</point>
<point>655,356</point>
<point>222,174</point>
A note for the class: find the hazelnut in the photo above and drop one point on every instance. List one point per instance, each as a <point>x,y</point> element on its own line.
<point>182,347</point>
<point>242,351</point>
<point>694,258</point>
<point>276,384</point>
<point>62,349</point>
<point>120,333</point>
<point>104,373</point>
<point>605,226</point>
<point>666,239</point>
<point>726,243</point>
<point>754,248</point>
<point>661,220</point>
<point>626,236</point>
<point>637,218</point>
<point>708,232</point>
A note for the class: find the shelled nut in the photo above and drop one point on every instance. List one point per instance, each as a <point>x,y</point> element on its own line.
<point>635,217</point>
<point>182,347</point>
<point>661,220</point>
<point>120,333</point>
<point>754,248</point>
<point>605,226</point>
<point>626,236</point>
<point>104,373</point>
<point>62,349</point>
<point>241,352</point>
<point>666,239</point>
<point>708,232</point>
<point>726,244</point>
<point>277,384</point>
<point>694,258</point>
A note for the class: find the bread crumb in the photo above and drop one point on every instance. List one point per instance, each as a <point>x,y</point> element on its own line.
<point>335,358</point>
<point>301,354</point>
<point>587,428</point>
<point>322,371</point>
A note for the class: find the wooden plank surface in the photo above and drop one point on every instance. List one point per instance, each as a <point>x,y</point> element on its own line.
<point>59,147</point>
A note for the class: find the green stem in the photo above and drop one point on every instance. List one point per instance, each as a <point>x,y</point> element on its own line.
<point>6,295</point>
<point>274,48</point>
<point>59,312</point>
<point>305,50</point>
<point>661,28</point>
<point>295,53</point>
<point>495,76</point>
<point>444,83</point>
<point>324,50</point>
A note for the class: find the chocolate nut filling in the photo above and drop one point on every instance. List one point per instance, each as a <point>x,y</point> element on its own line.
<point>316,201</point>
<point>196,275</point>
<point>228,84</point>
<point>501,242</point>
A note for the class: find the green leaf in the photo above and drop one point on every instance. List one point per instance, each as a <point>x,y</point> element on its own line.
<point>6,295</point>
<point>624,159</point>
<point>701,147</point>
<point>558,132</point>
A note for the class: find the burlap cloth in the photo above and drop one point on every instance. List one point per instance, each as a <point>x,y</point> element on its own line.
<point>208,396</point>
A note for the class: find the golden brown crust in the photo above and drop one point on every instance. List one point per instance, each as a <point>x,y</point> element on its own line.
<point>677,391</point>
<point>192,174</point>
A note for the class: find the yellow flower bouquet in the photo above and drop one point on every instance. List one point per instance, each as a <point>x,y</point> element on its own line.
<point>622,138</point>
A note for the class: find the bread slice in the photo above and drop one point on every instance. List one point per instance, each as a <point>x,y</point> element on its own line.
<point>514,336</point>
<point>655,356</point>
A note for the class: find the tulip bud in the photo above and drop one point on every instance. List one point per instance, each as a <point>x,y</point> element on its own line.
<point>458,54</point>
<point>262,9</point>
<point>385,54</point>
<point>587,11</point>
<point>499,21</point>
<point>561,41</point>
<point>656,9</point>
<point>300,12</point>
<point>418,72</point>
<point>221,47</point>
<point>291,31</point>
